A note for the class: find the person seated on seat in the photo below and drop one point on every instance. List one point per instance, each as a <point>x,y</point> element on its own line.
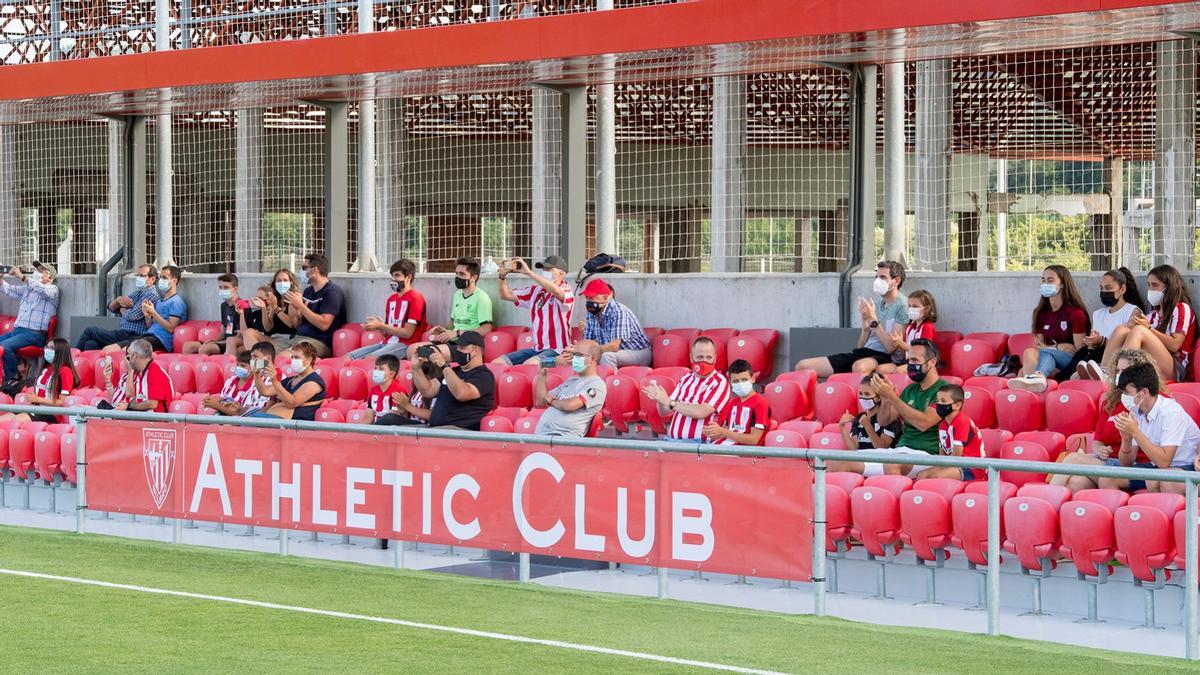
<point>162,317</point>
<point>466,392</point>
<point>412,409</point>
<point>39,303</point>
<point>385,386</point>
<point>1156,426</point>
<point>698,399</point>
<point>1121,299</point>
<point>549,300</point>
<point>917,409</point>
<point>279,319</point>
<point>403,320</point>
<point>148,388</point>
<point>615,327</point>
<point>572,405</point>
<point>297,396</point>
<point>1169,333</point>
<point>129,307</point>
<point>240,394</point>
<point>1060,322</point>
<point>318,312</point>
<point>114,387</point>
<point>237,314</point>
<point>470,308</point>
<point>957,437</point>
<point>1106,439</point>
<point>883,322</point>
<point>876,427</point>
<point>922,317</point>
<point>748,418</point>
<point>54,384</point>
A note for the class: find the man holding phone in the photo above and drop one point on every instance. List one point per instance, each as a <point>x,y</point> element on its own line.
<point>549,300</point>
<point>148,388</point>
<point>466,392</point>
<point>39,303</point>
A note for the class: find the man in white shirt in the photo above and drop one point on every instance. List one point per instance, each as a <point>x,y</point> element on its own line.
<point>1157,426</point>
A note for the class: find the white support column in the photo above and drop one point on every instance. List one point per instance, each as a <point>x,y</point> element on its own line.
<point>367,257</point>
<point>390,139</point>
<point>1175,154</point>
<point>933,166</point>
<point>248,191</point>
<point>547,172</point>
<point>606,153</point>
<point>164,173</point>
<point>1002,217</point>
<point>895,235</point>
<point>868,133</point>
<point>116,186</point>
<point>728,172</point>
<point>10,193</point>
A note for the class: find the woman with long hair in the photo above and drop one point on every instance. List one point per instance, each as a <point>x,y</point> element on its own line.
<point>1121,299</point>
<point>1169,332</point>
<point>53,385</point>
<point>1060,322</point>
<point>277,317</point>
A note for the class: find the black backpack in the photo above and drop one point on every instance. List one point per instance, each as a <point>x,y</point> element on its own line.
<point>601,263</point>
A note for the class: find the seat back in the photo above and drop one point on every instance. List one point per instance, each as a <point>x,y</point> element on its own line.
<point>353,383</point>
<point>183,377</point>
<point>210,377</point>
<point>20,449</point>
<point>498,343</point>
<point>832,400</point>
<point>621,403</point>
<point>188,331</point>
<point>1088,538</point>
<point>1168,503</point>
<point>967,355</point>
<point>875,513</point>
<point>497,424</point>
<point>993,384</point>
<point>804,427</point>
<point>1019,411</point>
<point>786,399</point>
<point>1109,499</point>
<point>346,340</point>
<point>1027,451</point>
<point>47,455</point>
<point>753,352</point>
<point>838,522</point>
<point>1019,342</point>
<point>649,410</point>
<point>1180,531</point>
<point>327,413</point>
<point>1093,388</point>
<point>978,405</point>
<point>329,375</point>
<point>514,390</point>
<point>996,342</point>
<point>671,350</point>
<point>1032,530</point>
<point>1070,412</point>
<point>785,439</point>
<point>925,522</point>
<point>1145,539</point>
<point>827,440</point>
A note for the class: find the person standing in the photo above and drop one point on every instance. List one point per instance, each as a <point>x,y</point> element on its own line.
<point>549,300</point>
<point>39,303</point>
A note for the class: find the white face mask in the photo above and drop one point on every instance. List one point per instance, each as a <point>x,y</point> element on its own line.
<point>881,286</point>
<point>297,366</point>
<point>742,389</point>
<point>378,376</point>
<point>548,274</point>
<point>914,313</point>
<point>866,403</point>
<point>1154,297</point>
<point>1129,401</point>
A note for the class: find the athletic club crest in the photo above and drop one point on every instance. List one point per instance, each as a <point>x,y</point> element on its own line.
<point>158,458</point>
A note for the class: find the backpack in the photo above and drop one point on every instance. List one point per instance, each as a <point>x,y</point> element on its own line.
<point>601,263</point>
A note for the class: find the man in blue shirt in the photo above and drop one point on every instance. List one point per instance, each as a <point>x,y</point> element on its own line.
<point>164,316</point>
<point>614,326</point>
<point>129,307</point>
<point>39,304</point>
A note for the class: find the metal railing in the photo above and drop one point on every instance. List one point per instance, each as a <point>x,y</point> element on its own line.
<point>819,458</point>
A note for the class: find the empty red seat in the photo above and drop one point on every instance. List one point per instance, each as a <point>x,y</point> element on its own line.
<point>188,331</point>
<point>996,342</point>
<point>1180,529</point>
<point>498,343</point>
<point>826,440</point>
<point>1190,403</point>
<point>785,439</point>
<point>670,350</point>
<point>1027,451</point>
<point>1086,522</point>
<point>968,512</point>
<point>514,390</point>
<point>86,369</point>
<point>875,511</point>
<point>361,416</point>
<point>1093,388</point>
<point>967,355</point>
<point>512,330</point>
<point>47,455</point>
<point>330,415</point>
<point>496,424</point>
<point>979,406</point>
<point>1019,411</point>
<point>20,450</point>
<point>352,383</point>
<point>528,423</point>
<point>1052,441</point>
<point>1070,412</point>
<point>70,459</point>
<point>512,414</point>
<point>851,380</point>
<point>752,351</point>
<point>210,333</point>
<point>993,384</point>
<point>1031,523</point>
<point>342,405</point>
<point>945,339</point>
<point>210,377</point>
<point>649,410</point>
<point>329,375</point>
<point>1145,534</point>
<point>1019,342</point>
<point>832,400</point>
<point>805,428</point>
<point>346,340</point>
<point>786,399</point>
<point>181,407</point>
<point>621,404</point>
<point>183,377</point>
<point>838,523</point>
<point>925,521</point>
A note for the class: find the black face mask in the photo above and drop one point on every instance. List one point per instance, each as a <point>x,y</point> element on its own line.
<point>943,409</point>
<point>1108,298</point>
<point>915,372</point>
<point>459,357</point>
<point>594,307</point>
<point>461,283</point>
<point>398,286</point>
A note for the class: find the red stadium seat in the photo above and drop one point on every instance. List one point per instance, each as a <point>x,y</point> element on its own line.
<point>993,384</point>
<point>1052,441</point>
<point>832,400</point>
<point>352,384</point>
<point>1190,403</point>
<point>945,339</point>
<point>1019,342</point>
<point>361,416</point>
<point>210,377</point>
<point>47,454</point>
<point>342,405</point>
<point>496,424</point>
<point>785,439</point>
<point>1180,529</point>
<point>1019,411</point>
<point>330,415</point>
<point>525,341</point>
<point>70,460</point>
<point>188,331</point>
<point>900,380</point>
<point>512,414</point>
<point>1070,412</point>
<point>967,355</point>
<point>33,353</point>
<point>926,525</point>
<point>1027,451</point>
<point>86,368</point>
<point>653,332</point>
<point>649,410</point>
<point>181,407</point>
<point>753,352</point>
<point>1088,538</point>
<point>996,342</point>
<point>634,372</point>
<point>514,331</point>
<point>993,439</point>
<point>672,372</point>
<point>20,450</point>
<point>721,334</point>
<point>769,337</point>
<point>329,375</point>
<point>1146,541</point>
<point>210,333</point>
<point>529,370</point>
<point>346,340</point>
<point>1031,524</point>
<point>978,405</point>
<point>688,334</point>
<point>851,380</point>
<point>806,378</point>
<point>805,428</point>
<point>371,337</point>
<point>498,343</point>
<point>875,512</point>
<point>197,401</point>
<point>528,423</point>
<point>514,390</point>
<point>787,400</point>
<point>183,377</point>
<point>1093,388</point>
<point>621,404</point>
<point>826,440</point>
<point>671,350</point>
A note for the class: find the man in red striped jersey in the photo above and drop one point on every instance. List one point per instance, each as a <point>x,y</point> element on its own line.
<point>698,400</point>
<point>549,301</point>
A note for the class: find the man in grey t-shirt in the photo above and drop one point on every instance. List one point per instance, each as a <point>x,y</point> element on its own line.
<point>572,406</point>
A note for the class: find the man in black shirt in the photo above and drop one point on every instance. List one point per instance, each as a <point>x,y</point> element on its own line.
<point>322,307</point>
<point>467,390</point>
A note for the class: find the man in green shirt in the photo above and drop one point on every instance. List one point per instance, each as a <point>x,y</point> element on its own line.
<point>915,406</point>
<point>470,309</point>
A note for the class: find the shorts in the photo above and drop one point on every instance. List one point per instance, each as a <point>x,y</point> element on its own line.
<point>48,419</point>
<point>844,363</point>
<point>1135,485</point>
<point>968,475</point>
<point>875,469</point>
<point>522,355</point>
<point>323,350</point>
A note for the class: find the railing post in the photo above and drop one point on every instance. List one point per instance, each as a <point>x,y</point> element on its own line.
<point>283,541</point>
<point>818,543</point>
<point>523,568</point>
<point>1190,573</point>
<point>993,552</point>
<point>663,583</point>
<point>81,472</point>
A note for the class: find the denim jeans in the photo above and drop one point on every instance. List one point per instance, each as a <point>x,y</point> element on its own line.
<point>94,338</point>
<point>1050,360</point>
<point>398,349</point>
<point>18,338</point>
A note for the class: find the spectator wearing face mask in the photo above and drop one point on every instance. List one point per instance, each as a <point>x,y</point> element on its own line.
<point>614,326</point>
<point>470,308</point>
<point>572,405</point>
<point>54,384</point>
<point>746,421</point>
<point>297,396</point>
<point>148,388</point>
<point>876,427</point>
<point>39,303</point>
<point>403,320</point>
<point>237,315</point>
<point>320,309</point>
<point>412,409</point>
<point>163,316</point>
<point>549,300</point>
<point>239,395</point>
<point>698,400</point>
<point>129,307</point>
<point>465,394</point>
<point>1155,426</point>
<point>957,437</point>
<point>883,322</point>
<point>1060,324</point>
<point>385,387</point>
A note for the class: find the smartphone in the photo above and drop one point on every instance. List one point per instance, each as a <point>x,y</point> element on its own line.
<point>258,364</point>
<point>5,269</point>
<point>108,361</point>
<point>424,351</point>
<point>243,305</point>
<point>549,361</point>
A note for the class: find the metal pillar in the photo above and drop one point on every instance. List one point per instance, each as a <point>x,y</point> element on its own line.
<point>574,110</point>
<point>135,189</point>
<point>337,213</point>
<point>606,153</point>
<point>932,194</point>
<point>866,213</point>
<point>1106,227</point>
<point>116,186</point>
<point>1002,217</point>
<point>1191,578</point>
<point>547,171</point>
<point>993,552</point>
<point>10,191</point>
<point>163,198</point>
<point>1174,154</point>
<point>895,236</point>
<point>728,172</point>
<point>55,30</point>
<point>390,138</point>
<point>248,191</point>
<point>367,259</point>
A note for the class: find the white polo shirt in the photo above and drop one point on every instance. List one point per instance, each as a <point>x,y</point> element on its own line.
<point>1168,423</point>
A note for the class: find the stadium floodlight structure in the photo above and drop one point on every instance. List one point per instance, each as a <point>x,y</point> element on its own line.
<point>712,135</point>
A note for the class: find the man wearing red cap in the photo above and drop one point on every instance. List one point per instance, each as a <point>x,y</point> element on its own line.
<point>614,326</point>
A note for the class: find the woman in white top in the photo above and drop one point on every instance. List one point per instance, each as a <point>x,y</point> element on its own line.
<point>1122,301</point>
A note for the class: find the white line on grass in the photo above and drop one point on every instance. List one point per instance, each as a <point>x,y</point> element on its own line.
<point>396,622</point>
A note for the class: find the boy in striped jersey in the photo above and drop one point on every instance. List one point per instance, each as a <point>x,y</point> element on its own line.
<point>240,395</point>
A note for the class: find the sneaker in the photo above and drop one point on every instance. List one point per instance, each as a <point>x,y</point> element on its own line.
<point>1081,372</point>
<point>1094,370</point>
<point>1035,383</point>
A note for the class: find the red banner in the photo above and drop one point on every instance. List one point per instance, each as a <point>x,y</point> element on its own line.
<point>722,514</point>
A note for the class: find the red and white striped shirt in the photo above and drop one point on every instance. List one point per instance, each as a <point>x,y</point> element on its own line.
<point>153,384</point>
<point>380,400</point>
<point>916,331</point>
<point>742,416</point>
<point>713,390</point>
<point>551,317</point>
<point>402,310</point>
<point>66,383</point>
<point>1183,320</point>
<point>244,394</point>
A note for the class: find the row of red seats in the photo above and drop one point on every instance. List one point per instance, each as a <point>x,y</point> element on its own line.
<point>36,450</point>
